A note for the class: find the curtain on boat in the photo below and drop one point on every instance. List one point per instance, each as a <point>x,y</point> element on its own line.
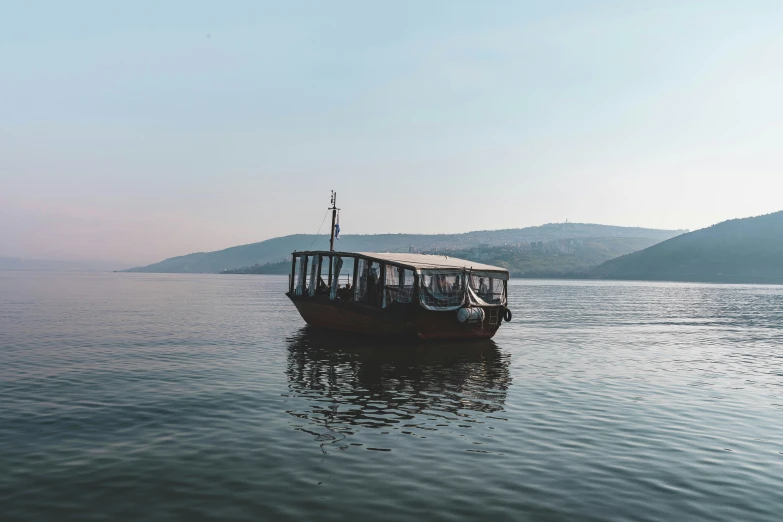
<point>450,289</point>
<point>407,282</point>
<point>399,285</point>
<point>301,276</point>
<point>338,265</point>
<point>485,290</point>
<point>314,275</point>
<point>362,274</point>
<point>374,284</point>
<point>442,289</point>
<point>391,285</point>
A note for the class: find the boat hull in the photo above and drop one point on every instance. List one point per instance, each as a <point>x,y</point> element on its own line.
<point>407,320</point>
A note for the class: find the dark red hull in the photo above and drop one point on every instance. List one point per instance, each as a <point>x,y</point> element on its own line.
<point>398,319</point>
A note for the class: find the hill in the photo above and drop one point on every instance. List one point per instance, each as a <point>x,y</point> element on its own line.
<point>559,258</point>
<point>278,249</point>
<point>748,250</point>
<point>279,268</point>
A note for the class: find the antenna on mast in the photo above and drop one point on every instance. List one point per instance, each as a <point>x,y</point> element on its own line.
<point>334,210</point>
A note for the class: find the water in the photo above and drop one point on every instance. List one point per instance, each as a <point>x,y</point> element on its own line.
<point>187,397</point>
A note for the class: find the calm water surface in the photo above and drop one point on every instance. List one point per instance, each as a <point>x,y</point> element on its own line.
<point>190,397</point>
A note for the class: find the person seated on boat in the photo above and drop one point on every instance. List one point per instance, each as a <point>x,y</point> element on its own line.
<point>345,293</point>
<point>372,286</point>
<point>483,289</point>
<point>436,285</point>
<point>441,285</point>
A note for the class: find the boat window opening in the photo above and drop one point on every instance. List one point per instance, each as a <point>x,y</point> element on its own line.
<point>323,274</point>
<point>342,278</point>
<point>301,275</point>
<point>337,265</point>
<point>349,267</point>
<point>312,283</point>
<point>362,276</point>
<point>323,266</point>
<point>369,282</point>
<point>374,284</point>
<point>398,285</point>
<point>391,282</point>
<point>491,290</point>
<point>407,284</point>
<point>441,290</point>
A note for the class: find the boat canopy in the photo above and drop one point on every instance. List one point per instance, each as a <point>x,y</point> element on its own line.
<point>444,283</point>
<point>431,263</point>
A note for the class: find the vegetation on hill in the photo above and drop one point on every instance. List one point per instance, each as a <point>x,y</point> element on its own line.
<point>281,267</point>
<point>746,250</point>
<point>561,258</point>
<point>278,249</point>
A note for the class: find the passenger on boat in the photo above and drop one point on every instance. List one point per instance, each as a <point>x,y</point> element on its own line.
<point>456,286</point>
<point>440,284</point>
<point>372,287</point>
<point>345,293</point>
<point>483,288</point>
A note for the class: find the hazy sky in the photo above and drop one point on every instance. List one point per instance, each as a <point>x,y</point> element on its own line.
<point>134,131</point>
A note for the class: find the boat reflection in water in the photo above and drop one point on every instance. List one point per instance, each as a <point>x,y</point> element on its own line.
<point>343,386</point>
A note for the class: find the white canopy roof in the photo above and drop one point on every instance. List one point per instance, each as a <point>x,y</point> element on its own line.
<point>420,261</point>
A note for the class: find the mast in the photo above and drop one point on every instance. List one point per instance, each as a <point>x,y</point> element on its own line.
<point>334,209</point>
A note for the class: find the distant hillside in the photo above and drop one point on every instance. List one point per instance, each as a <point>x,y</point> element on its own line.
<point>746,250</point>
<point>559,258</point>
<point>279,268</point>
<point>278,249</point>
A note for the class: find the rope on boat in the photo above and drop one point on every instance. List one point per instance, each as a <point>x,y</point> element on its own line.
<point>319,229</point>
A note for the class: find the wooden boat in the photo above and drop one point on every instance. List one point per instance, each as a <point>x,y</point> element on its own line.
<point>420,295</point>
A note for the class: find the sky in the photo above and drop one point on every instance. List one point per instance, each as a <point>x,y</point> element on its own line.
<point>136,131</point>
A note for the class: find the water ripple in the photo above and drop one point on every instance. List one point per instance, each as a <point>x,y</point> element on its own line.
<point>181,397</point>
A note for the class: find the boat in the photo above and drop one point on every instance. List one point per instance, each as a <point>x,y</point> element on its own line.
<point>426,296</point>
